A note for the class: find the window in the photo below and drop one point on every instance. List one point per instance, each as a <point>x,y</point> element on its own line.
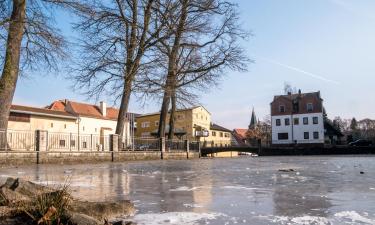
<point>62,143</point>
<point>146,134</point>
<point>306,135</point>
<point>83,128</point>
<point>296,121</point>
<point>278,122</point>
<point>72,143</point>
<point>180,117</point>
<point>64,126</point>
<point>283,136</point>
<point>221,134</point>
<point>316,135</point>
<point>315,120</point>
<point>309,107</point>
<point>145,124</point>
<point>305,120</point>
<point>84,144</point>
<point>51,125</point>
<point>287,121</point>
<point>213,133</point>
<point>156,123</point>
<point>96,129</point>
<point>281,108</point>
<point>226,135</point>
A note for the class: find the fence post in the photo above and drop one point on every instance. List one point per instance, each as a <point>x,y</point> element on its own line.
<point>187,148</point>
<point>41,144</point>
<point>199,149</point>
<point>162,147</point>
<point>259,146</point>
<point>113,145</point>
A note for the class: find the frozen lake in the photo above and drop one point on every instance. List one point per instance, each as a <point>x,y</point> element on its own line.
<point>320,190</point>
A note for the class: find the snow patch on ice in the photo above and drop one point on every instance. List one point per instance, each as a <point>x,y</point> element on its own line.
<point>345,217</point>
<point>354,217</point>
<point>239,188</point>
<point>185,188</point>
<point>175,218</point>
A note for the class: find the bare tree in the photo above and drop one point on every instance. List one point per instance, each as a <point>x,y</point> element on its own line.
<point>29,42</point>
<point>116,37</point>
<point>203,45</point>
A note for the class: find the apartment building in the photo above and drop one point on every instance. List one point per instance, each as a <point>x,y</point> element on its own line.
<point>297,119</point>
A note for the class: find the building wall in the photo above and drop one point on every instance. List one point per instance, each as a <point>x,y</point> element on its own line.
<point>51,124</point>
<point>296,132</point>
<point>186,120</point>
<point>221,138</point>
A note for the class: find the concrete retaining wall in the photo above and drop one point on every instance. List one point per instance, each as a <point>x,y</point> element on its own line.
<point>21,158</point>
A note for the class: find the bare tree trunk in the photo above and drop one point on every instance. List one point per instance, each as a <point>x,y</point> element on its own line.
<point>172,65</point>
<point>8,80</point>
<point>172,119</point>
<point>121,119</point>
<point>128,77</point>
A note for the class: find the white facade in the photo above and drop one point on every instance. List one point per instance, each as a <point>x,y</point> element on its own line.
<point>298,132</point>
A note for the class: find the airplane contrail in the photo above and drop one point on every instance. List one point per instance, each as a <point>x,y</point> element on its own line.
<point>313,75</point>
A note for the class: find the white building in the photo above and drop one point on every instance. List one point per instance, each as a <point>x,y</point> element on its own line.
<point>297,119</point>
<point>70,125</point>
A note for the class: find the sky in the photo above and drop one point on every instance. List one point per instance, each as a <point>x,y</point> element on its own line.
<point>314,45</point>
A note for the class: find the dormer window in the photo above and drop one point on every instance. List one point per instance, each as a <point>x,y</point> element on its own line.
<point>309,107</point>
<point>281,108</point>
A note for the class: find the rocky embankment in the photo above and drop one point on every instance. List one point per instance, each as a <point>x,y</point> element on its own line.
<point>24,202</point>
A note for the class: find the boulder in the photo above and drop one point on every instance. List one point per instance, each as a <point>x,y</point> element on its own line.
<point>103,210</point>
<point>81,219</point>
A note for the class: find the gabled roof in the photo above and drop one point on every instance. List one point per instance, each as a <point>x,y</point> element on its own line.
<point>241,133</point>
<point>292,97</point>
<point>240,136</point>
<point>41,112</point>
<point>218,128</point>
<point>83,109</point>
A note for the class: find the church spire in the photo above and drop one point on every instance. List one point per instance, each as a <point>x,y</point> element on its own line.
<point>253,121</point>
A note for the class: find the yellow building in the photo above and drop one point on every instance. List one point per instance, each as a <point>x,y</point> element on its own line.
<point>195,123</point>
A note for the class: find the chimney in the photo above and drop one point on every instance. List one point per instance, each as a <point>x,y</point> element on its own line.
<point>103,108</point>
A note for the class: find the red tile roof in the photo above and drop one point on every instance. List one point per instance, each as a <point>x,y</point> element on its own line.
<point>241,133</point>
<point>84,109</point>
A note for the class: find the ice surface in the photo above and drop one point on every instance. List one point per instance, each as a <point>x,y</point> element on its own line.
<point>175,218</point>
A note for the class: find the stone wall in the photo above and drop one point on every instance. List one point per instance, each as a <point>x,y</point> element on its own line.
<point>21,158</point>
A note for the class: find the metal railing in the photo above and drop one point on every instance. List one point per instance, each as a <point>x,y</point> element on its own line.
<point>75,142</point>
<point>17,140</point>
<point>194,146</point>
<point>219,144</point>
<point>144,144</point>
<point>175,145</point>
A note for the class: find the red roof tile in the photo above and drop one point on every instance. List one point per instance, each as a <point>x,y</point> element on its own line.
<point>84,109</point>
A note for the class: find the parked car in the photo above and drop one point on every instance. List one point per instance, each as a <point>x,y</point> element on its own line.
<point>361,142</point>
